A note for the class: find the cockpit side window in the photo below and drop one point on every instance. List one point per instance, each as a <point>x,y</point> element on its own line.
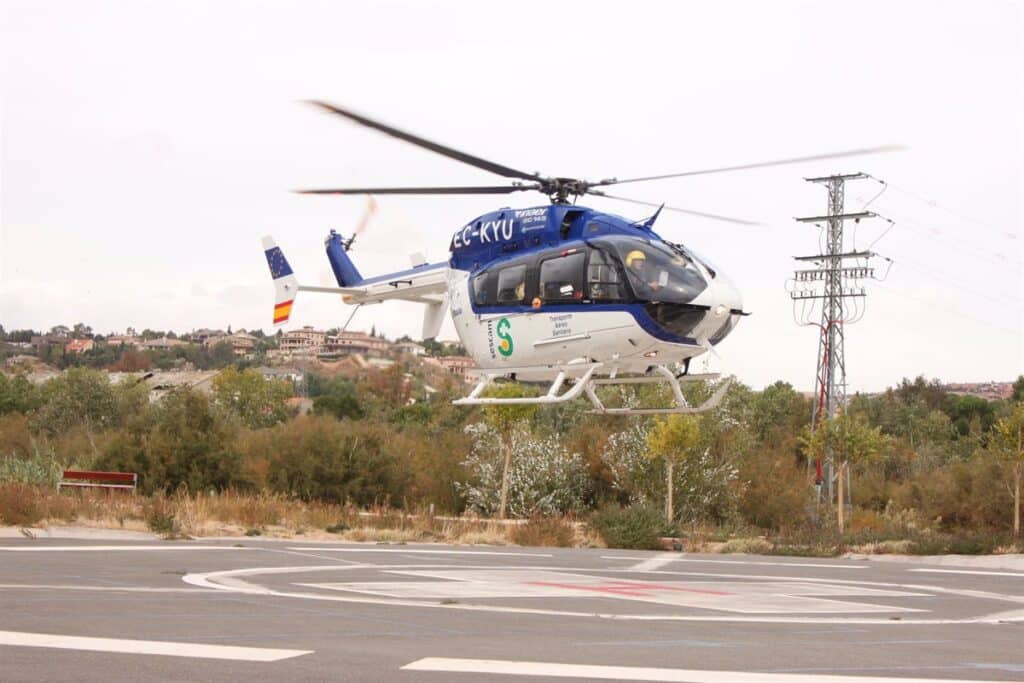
<point>561,278</point>
<point>480,289</point>
<point>604,278</point>
<point>656,272</point>
<point>512,284</point>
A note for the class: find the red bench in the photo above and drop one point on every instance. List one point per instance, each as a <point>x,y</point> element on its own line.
<point>100,480</point>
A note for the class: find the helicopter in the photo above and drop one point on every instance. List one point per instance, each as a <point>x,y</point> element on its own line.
<point>559,293</point>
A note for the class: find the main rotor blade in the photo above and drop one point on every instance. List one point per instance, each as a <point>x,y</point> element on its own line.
<point>760,164</point>
<point>486,165</point>
<point>482,189</point>
<point>715,216</point>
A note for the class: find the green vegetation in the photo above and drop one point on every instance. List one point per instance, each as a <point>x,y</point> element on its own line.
<point>638,527</point>
<point>931,471</point>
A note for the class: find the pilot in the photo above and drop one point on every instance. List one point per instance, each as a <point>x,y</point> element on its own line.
<point>636,261</point>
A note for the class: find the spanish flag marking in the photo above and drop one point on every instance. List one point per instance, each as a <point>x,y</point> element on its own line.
<point>282,311</point>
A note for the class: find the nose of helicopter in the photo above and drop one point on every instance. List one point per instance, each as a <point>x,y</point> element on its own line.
<point>725,302</point>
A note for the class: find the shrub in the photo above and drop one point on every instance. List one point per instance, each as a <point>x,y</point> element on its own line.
<point>24,504</point>
<point>638,527</point>
<point>319,458</point>
<point>545,531</point>
<point>160,516</point>
<point>38,469</point>
<point>544,478</point>
<point>184,440</point>
<point>19,505</point>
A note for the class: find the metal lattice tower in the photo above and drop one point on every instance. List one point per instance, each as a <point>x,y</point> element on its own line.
<point>834,284</point>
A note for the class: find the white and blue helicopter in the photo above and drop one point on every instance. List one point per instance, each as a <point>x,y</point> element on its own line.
<point>557,293</point>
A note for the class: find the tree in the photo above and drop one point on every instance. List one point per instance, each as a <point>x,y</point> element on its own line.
<point>1009,442</point>
<point>185,440</point>
<point>218,356</point>
<point>543,476</point>
<point>674,438</point>
<point>79,397</point>
<point>337,397</point>
<point>504,418</point>
<point>17,395</point>
<point>258,401</point>
<point>319,458</point>
<point>849,438</point>
<point>1018,390</point>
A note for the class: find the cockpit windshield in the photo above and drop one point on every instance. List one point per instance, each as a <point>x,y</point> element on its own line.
<point>656,270</point>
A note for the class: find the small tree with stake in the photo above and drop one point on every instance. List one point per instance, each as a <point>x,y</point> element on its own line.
<point>851,439</point>
<point>673,437</point>
<point>1009,442</point>
<point>503,418</point>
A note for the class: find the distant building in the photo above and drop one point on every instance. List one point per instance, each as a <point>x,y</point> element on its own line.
<point>990,391</point>
<point>48,340</point>
<point>160,383</point>
<point>203,335</point>
<point>345,343</point>
<point>409,348</point>
<point>242,343</point>
<point>289,374</point>
<point>78,345</point>
<point>306,341</point>
<point>163,343</point>
<point>458,366</point>
<point>127,339</point>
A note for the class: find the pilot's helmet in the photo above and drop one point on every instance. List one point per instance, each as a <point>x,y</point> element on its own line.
<point>636,259</point>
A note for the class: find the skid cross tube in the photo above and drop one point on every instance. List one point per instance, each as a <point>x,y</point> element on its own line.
<point>587,383</point>
<point>682,406</point>
<point>552,396</point>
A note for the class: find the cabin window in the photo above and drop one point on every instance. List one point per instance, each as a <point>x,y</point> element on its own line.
<point>604,279</point>
<point>480,289</point>
<point>512,285</point>
<point>561,278</point>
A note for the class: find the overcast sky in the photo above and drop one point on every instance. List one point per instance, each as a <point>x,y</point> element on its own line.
<point>146,148</point>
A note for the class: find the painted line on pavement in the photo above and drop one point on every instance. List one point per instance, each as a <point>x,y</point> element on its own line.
<point>148,647</point>
<point>111,548</point>
<point>656,562</point>
<point>637,673</point>
<point>743,562</point>
<point>80,587</point>
<point>1019,575</point>
<point>230,581</point>
<point>421,551</point>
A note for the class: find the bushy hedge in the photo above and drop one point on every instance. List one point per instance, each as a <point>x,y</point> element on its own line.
<point>638,527</point>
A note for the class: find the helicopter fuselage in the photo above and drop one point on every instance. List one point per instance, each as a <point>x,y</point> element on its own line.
<point>547,286</point>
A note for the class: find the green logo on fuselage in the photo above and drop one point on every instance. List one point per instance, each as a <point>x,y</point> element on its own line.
<point>505,345</point>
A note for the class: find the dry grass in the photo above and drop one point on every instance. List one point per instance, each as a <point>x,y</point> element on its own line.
<point>239,514</point>
<point>545,531</point>
<point>890,547</point>
<point>751,546</point>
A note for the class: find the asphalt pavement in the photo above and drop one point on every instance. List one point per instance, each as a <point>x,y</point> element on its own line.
<point>260,610</point>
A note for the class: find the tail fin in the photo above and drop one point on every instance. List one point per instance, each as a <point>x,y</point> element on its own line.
<point>286,285</point>
<point>345,271</point>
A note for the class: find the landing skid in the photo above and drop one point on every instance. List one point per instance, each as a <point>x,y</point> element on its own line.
<point>581,377</point>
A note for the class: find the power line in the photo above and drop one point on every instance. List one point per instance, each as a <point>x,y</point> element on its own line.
<point>933,203</point>
<point>933,305</point>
